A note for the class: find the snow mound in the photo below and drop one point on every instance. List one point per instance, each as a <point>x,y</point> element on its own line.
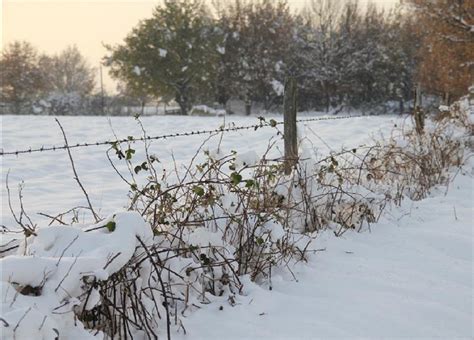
<point>42,289</point>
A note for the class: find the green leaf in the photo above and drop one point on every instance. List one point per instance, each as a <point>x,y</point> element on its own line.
<point>129,153</point>
<point>249,183</point>
<point>259,241</point>
<point>198,190</point>
<point>110,226</point>
<point>137,169</point>
<point>204,259</point>
<point>120,154</point>
<point>235,178</point>
<point>273,122</point>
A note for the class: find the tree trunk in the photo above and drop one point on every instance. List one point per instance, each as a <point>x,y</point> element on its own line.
<point>182,107</point>
<point>328,101</point>
<point>16,108</point>
<point>401,106</point>
<point>248,106</point>
<point>183,103</point>
<point>228,108</point>
<point>447,99</point>
<point>418,96</point>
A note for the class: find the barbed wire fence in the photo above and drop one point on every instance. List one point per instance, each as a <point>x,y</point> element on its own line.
<point>131,139</point>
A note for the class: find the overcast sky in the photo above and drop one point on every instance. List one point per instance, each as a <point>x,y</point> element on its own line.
<point>52,25</point>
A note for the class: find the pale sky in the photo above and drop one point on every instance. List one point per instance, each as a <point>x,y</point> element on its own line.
<point>53,25</point>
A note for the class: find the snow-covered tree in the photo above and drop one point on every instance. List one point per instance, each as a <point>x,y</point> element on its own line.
<point>266,40</point>
<point>322,49</point>
<point>69,72</point>
<point>172,53</point>
<point>21,76</point>
<point>230,19</point>
<point>255,50</point>
<point>69,81</point>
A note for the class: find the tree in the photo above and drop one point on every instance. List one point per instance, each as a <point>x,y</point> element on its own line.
<point>452,20</point>
<point>172,53</point>
<point>68,82</point>
<point>229,22</point>
<point>69,72</point>
<point>266,41</point>
<point>323,48</point>
<point>402,43</point>
<point>21,78</point>
<point>253,58</point>
<point>447,51</point>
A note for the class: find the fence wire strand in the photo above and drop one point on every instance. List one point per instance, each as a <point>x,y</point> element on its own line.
<point>262,124</point>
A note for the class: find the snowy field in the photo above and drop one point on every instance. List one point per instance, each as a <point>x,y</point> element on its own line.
<point>49,186</point>
<point>411,277</point>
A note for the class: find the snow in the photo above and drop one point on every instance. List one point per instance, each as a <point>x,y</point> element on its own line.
<point>278,66</point>
<point>58,260</point>
<point>163,52</point>
<point>37,109</point>
<point>200,110</point>
<point>278,87</point>
<point>248,158</point>
<point>410,277</point>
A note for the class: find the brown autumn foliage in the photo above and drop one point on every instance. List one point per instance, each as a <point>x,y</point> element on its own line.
<point>447,53</point>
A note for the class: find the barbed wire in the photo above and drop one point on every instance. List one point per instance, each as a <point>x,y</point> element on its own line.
<point>263,123</point>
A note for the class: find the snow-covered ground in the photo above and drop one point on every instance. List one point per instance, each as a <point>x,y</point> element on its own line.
<point>410,278</point>
<point>49,186</point>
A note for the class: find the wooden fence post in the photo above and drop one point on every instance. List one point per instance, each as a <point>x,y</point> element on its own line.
<point>418,112</point>
<point>289,120</point>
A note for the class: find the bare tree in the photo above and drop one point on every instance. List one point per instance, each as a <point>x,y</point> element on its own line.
<point>69,72</point>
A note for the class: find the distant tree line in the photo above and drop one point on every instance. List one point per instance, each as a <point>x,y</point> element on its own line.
<point>38,83</point>
<point>339,53</point>
<point>246,49</point>
<point>61,84</point>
